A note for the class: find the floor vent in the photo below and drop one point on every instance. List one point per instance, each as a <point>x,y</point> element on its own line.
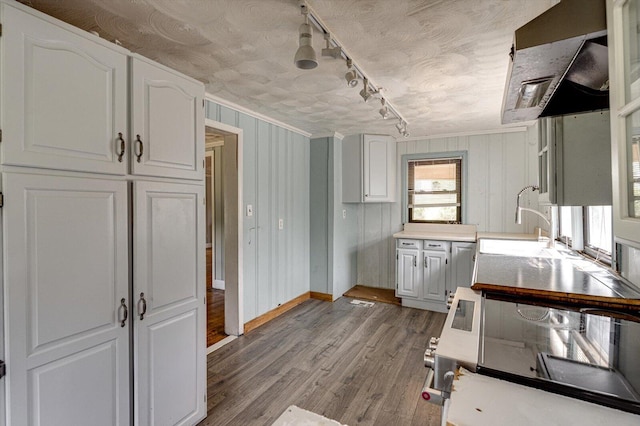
<point>362,303</point>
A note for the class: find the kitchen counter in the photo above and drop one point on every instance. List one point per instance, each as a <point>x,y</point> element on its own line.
<point>444,232</point>
<point>480,400</point>
<point>561,277</point>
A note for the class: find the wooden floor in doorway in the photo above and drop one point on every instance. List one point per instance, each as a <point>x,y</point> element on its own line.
<point>215,308</point>
<point>353,364</point>
<point>374,294</point>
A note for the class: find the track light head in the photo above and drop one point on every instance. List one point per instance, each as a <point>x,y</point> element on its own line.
<point>351,76</point>
<point>334,52</point>
<point>365,93</point>
<point>399,126</point>
<point>305,58</point>
<point>384,111</point>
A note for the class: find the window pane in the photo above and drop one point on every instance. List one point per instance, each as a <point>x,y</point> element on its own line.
<point>599,227</point>
<point>439,214</point>
<point>420,199</point>
<point>565,222</point>
<point>632,60</point>
<point>633,163</point>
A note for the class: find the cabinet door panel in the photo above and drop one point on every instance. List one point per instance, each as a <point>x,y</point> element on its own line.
<point>407,270</point>
<point>378,168</point>
<point>169,268</point>
<point>67,99</point>
<point>168,123</point>
<point>434,273</point>
<point>66,272</point>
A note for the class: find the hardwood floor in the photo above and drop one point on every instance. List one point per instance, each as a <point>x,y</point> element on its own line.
<point>384,295</point>
<point>215,308</point>
<point>356,365</point>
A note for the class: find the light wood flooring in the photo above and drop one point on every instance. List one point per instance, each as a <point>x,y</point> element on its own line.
<point>215,308</point>
<point>356,365</point>
<point>385,295</point>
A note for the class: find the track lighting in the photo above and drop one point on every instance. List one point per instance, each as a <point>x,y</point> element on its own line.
<point>351,76</point>
<point>334,52</point>
<point>384,111</point>
<point>305,56</point>
<point>365,93</point>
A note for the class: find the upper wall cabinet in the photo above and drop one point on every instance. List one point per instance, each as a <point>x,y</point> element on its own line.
<point>368,169</point>
<point>623,31</point>
<point>167,123</point>
<point>572,154</point>
<point>66,104</point>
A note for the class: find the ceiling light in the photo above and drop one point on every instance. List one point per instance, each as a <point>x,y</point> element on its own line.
<point>351,76</point>
<point>334,52</point>
<point>365,93</point>
<point>400,126</point>
<point>305,56</point>
<point>384,111</point>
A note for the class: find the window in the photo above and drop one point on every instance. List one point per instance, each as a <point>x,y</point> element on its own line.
<point>434,190</point>
<point>566,231</point>
<point>594,223</point>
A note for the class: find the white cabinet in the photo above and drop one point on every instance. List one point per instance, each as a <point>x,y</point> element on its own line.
<point>79,348</point>
<point>571,151</point>
<point>407,270</point>
<point>463,256</point>
<point>368,169</point>
<point>66,283</point>
<point>167,131</point>
<point>427,270</point>
<point>169,354</point>
<point>65,98</point>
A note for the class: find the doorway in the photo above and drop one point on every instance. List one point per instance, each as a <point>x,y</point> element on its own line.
<point>223,192</point>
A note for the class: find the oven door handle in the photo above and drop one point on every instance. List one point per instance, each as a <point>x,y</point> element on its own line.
<point>435,396</point>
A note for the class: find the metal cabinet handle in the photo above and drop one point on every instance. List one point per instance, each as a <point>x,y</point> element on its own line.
<point>426,264</point>
<point>142,302</point>
<point>123,304</point>
<point>435,245</point>
<point>407,244</point>
<point>139,143</point>
<point>121,153</point>
<point>415,261</point>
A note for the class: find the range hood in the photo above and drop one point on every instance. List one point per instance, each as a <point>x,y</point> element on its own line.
<point>559,63</point>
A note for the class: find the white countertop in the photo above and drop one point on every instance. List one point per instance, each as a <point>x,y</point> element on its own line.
<point>506,236</point>
<point>480,400</point>
<point>444,232</point>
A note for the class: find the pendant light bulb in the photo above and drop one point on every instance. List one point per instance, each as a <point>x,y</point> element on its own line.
<point>305,58</point>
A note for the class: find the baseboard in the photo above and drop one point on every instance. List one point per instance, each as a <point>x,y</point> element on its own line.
<point>218,284</point>
<point>321,296</point>
<point>274,313</point>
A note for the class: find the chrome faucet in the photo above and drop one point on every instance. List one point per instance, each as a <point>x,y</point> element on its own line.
<point>519,209</point>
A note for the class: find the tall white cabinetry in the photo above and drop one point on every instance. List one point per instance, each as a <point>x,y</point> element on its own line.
<point>102,263</point>
<point>368,169</point>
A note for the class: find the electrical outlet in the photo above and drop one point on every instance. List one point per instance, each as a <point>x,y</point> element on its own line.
<point>249,210</point>
<point>344,214</point>
<point>281,224</point>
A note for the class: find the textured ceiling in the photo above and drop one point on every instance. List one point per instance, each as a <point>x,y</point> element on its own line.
<point>442,63</point>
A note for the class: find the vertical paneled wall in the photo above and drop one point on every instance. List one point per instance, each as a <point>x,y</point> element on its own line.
<point>498,166</point>
<point>276,183</point>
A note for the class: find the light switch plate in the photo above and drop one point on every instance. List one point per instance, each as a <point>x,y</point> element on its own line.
<point>281,224</point>
<point>249,210</point>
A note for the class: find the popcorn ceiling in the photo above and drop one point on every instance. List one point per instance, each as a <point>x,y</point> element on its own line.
<point>443,64</point>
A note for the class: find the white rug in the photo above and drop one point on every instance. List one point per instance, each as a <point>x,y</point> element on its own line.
<point>294,416</point>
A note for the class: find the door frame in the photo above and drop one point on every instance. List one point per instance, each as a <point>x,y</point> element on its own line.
<point>233,235</point>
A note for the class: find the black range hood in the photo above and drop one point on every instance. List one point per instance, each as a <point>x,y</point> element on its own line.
<point>559,63</point>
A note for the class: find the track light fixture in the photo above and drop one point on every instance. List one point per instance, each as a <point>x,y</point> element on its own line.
<point>365,93</point>
<point>334,52</point>
<point>384,111</point>
<point>351,76</point>
<point>305,55</point>
<point>305,58</point>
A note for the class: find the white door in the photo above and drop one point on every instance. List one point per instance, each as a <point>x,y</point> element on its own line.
<point>434,275</point>
<point>167,123</point>
<point>64,98</point>
<point>407,270</point>
<point>170,305</point>
<point>66,287</point>
<point>379,168</point>
<point>462,259</point>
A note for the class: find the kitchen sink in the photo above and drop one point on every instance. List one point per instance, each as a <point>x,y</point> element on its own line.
<point>520,248</point>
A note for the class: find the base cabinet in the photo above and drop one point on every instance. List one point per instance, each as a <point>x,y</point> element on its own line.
<point>427,271</point>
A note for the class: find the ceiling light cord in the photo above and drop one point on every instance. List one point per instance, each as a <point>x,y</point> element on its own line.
<point>305,58</point>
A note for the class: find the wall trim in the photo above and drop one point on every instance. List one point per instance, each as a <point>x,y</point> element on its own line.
<point>335,135</point>
<point>517,129</point>
<point>274,313</point>
<point>254,114</point>
<point>326,297</point>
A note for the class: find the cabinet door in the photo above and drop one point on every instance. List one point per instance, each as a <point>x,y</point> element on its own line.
<point>66,286</point>
<point>434,275</point>
<point>407,273</point>
<point>64,98</point>
<point>379,168</point>
<point>167,123</point>
<point>170,308</point>
<point>462,260</point>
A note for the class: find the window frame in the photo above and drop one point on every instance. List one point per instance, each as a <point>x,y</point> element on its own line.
<point>434,156</point>
<point>581,222</point>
